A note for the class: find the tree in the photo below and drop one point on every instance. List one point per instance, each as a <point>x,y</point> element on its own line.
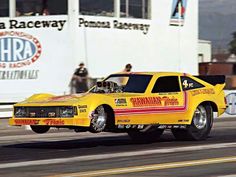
<point>232,44</point>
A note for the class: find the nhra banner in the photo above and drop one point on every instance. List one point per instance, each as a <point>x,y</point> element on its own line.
<point>18,50</point>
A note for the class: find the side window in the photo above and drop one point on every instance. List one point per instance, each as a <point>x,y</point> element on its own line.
<point>189,84</point>
<point>41,7</point>
<point>135,9</point>
<point>166,84</point>
<point>4,8</point>
<point>97,7</point>
<point>55,7</point>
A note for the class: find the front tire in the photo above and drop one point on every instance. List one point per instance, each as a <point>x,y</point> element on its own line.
<point>98,120</point>
<point>39,129</point>
<point>200,127</point>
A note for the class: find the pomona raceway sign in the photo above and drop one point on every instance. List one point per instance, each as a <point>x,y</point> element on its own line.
<point>17,50</point>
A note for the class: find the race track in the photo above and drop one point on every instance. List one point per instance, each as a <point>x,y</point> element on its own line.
<point>66,153</point>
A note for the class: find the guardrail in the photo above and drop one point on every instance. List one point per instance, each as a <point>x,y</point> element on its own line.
<point>6,110</point>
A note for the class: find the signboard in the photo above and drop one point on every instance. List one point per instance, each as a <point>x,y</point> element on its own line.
<point>178,12</point>
<point>17,50</point>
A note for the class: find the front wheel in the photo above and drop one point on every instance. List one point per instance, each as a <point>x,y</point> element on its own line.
<point>39,129</point>
<point>98,120</point>
<point>200,127</point>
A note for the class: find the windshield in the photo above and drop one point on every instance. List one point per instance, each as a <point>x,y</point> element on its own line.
<point>133,83</point>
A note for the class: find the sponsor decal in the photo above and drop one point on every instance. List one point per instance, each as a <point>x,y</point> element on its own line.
<point>154,101</point>
<point>82,108</point>
<point>128,126</point>
<point>51,114</point>
<point>184,120</point>
<point>121,102</point>
<point>172,126</point>
<point>26,122</point>
<point>178,12</point>
<point>54,122</point>
<point>122,126</point>
<point>202,91</point>
<point>187,85</point>
<point>170,101</point>
<point>155,105</point>
<point>115,25</point>
<point>123,121</point>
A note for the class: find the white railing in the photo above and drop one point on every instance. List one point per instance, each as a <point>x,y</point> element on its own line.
<point>6,110</point>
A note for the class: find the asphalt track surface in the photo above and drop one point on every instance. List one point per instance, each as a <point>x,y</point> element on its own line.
<point>66,153</point>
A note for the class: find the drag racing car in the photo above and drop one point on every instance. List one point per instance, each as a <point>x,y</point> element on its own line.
<point>142,104</point>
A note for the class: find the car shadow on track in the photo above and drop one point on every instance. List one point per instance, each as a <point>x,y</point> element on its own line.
<point>116,141</point>
<point>90,142</point>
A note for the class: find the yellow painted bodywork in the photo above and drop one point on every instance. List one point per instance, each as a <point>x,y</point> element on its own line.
<point>175,108</point>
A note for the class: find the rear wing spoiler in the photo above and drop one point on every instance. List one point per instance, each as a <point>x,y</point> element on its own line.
<point>212,79</point>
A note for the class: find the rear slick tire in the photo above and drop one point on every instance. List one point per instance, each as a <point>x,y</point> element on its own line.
<point>39,129</point>
<point>200,127</point>
<point>151,135</point>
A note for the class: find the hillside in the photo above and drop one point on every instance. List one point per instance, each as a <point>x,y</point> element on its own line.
<point>217,21</point>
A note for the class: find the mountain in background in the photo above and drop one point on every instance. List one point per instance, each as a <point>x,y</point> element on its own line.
<point>217,22</point>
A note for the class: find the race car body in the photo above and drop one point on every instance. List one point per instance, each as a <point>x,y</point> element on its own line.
<point>142,104</point>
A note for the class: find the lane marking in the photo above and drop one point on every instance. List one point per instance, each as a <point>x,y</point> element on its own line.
<point>116,155</point>
<point>153,167</point>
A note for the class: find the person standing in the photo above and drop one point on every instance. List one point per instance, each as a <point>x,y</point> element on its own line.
<point>80,79</point>
<point>128,68</point>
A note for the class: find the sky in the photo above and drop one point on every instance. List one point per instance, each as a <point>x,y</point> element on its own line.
<point>220,6</point>
<point>217,21</point>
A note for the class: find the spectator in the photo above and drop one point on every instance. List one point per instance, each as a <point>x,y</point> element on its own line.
<point>80,79</point>
<point>128,68</point>
<point>29,7</point>
<point>45,11</point>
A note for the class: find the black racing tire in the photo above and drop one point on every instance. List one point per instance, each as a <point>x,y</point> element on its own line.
<point>200,127</point>
<point>40,129</point>
<point>150,135</point>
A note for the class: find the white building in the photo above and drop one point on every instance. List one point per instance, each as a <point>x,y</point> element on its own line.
<point>204,51</point>
<point>40,53</point>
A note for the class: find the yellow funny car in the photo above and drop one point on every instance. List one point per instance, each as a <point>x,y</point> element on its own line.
<point>141,104</point>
